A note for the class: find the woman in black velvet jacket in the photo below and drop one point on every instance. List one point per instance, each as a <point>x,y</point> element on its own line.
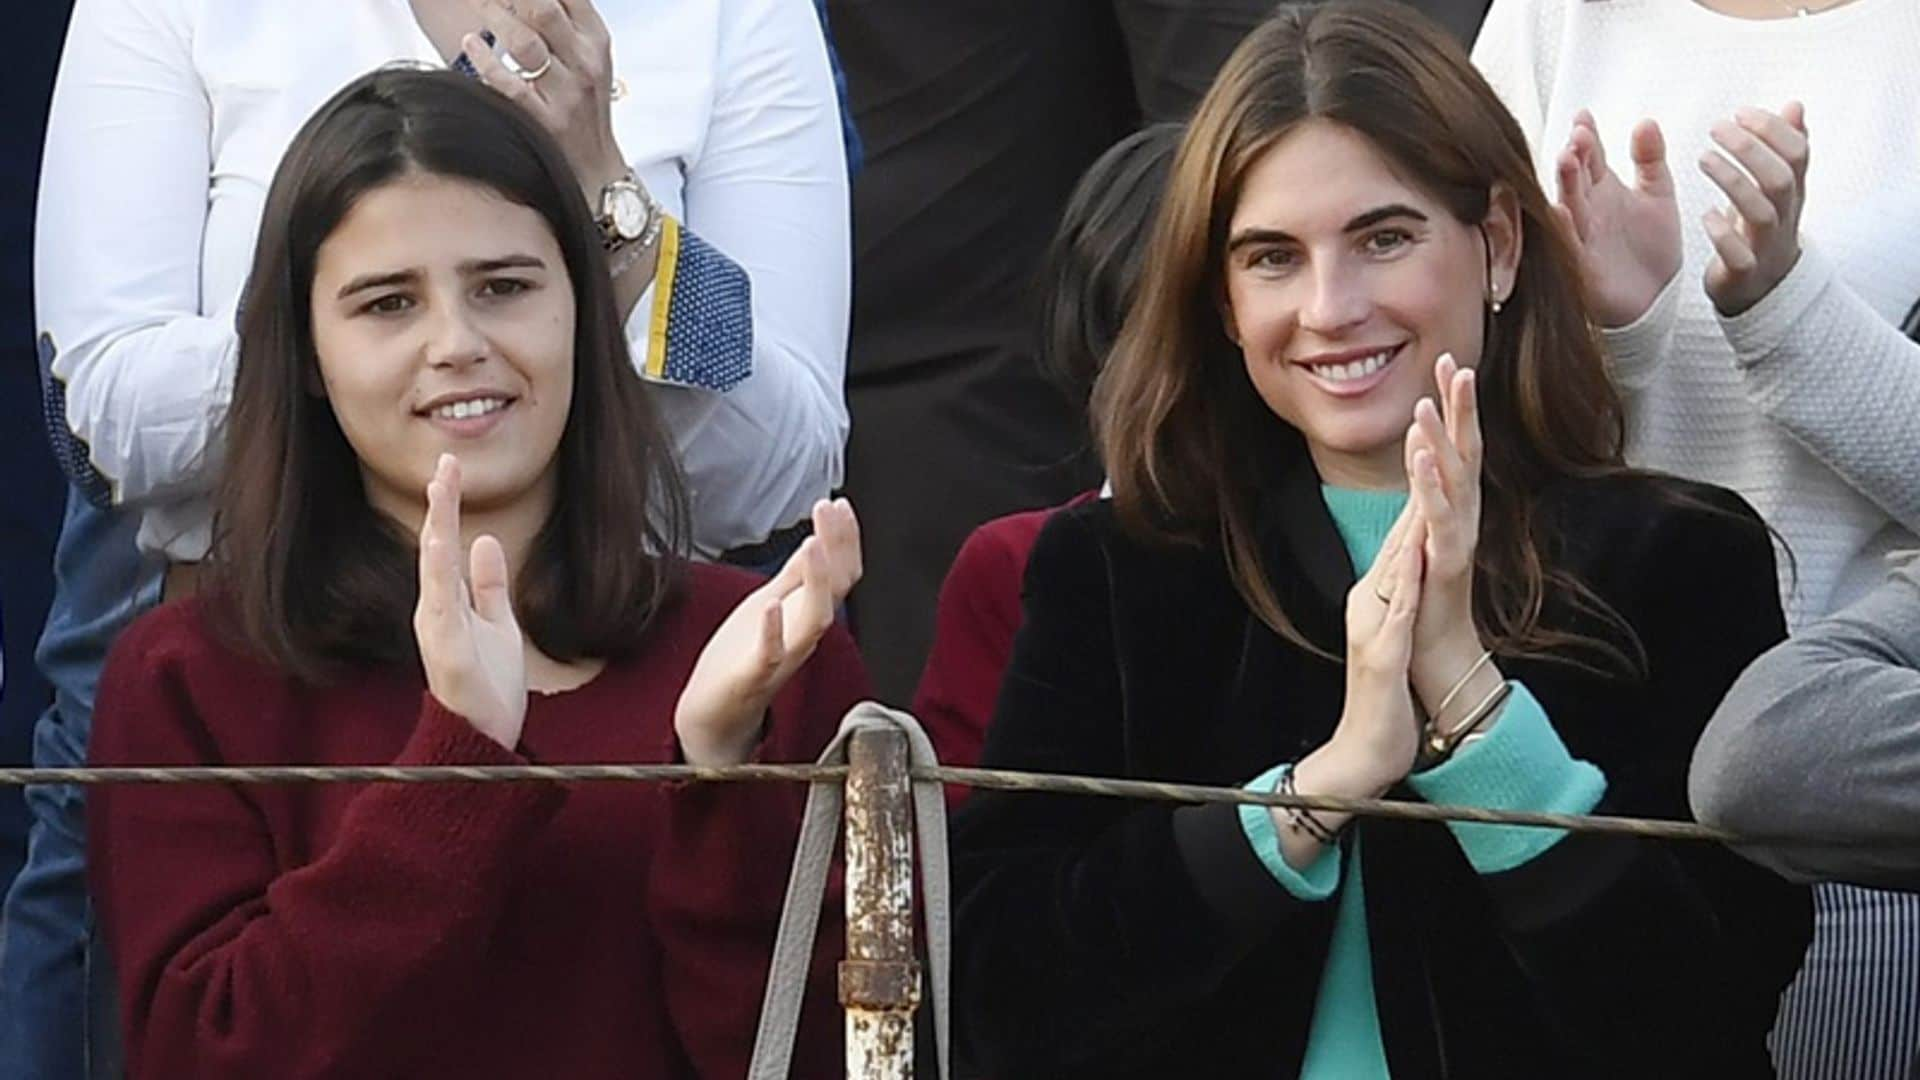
<point>1339,561</point>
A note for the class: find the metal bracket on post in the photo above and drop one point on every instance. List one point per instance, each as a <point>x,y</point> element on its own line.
<point>880,978</point>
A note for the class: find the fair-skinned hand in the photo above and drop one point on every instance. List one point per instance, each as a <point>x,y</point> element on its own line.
<point>573,98</point>
<point>1379,735</point>
<point>765,640</point>
<point>1761,165</point>
<point>1628,237</point>
<point>1444,454</point>
<point>470,643</point>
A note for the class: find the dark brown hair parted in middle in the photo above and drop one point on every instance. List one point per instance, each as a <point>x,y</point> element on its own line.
<point>304,572</point>
<point>1176,415</point>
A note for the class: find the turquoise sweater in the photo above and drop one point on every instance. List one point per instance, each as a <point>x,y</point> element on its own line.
<point>1521,764</point>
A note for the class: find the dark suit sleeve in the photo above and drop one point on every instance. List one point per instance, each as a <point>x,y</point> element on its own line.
<point>1639,943</point>
<point>1085,923</point>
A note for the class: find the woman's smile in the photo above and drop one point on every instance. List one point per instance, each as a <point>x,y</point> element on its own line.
<point>1351,373</point>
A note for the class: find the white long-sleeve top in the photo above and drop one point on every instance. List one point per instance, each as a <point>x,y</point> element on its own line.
<point>170,116</point>
<point>1807,404</point>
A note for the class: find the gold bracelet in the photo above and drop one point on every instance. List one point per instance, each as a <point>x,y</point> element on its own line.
<point>1442,744</point>
<point>1486,655</point>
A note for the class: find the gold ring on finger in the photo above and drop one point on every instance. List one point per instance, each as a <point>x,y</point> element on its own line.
<point>530,74</point>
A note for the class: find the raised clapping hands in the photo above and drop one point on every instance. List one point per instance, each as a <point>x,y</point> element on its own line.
<point>567,43</point>
<point>1629,237</point>
<point>1411,634</point>
<point>765,640</point>
<point>470,643</point>
<point>1756,241</point>
<point>1443,475</point>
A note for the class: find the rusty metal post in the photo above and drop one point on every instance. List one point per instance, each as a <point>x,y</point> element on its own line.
<point>880,978</point>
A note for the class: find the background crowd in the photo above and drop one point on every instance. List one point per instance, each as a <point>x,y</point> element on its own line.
<point>895,252</point>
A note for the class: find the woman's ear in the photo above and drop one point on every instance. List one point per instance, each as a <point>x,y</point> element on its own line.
<point>1504,242</point>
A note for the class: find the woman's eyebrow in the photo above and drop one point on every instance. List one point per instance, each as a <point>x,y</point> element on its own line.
<point>1257,235</point>
<point>504,262</point>
<point>377,281</point>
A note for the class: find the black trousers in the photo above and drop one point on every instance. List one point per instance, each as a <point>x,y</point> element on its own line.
<point>978,116</point>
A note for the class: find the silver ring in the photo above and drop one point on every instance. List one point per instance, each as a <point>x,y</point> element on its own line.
<point>530,74</point>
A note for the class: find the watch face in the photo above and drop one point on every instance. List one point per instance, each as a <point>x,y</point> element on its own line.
<point>629,212</point>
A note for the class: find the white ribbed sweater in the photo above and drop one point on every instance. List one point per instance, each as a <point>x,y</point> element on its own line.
<point>1809,403</point>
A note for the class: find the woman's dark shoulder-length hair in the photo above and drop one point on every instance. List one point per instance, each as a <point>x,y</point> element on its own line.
<point>304,572</point>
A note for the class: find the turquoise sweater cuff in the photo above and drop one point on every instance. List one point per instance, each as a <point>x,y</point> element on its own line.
<point>1521,764</point>
<point>1316,882</point>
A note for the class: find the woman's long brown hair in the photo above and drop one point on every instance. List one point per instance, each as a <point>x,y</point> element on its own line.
<point>304,572</point>
<point>1175,414</point>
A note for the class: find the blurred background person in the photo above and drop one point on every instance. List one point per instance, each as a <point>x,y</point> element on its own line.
<point>1091,270</point>
<point>1820,741</point>
<point>1752,292</point>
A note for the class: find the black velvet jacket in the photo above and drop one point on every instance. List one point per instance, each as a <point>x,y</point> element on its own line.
<point>1104,938</point>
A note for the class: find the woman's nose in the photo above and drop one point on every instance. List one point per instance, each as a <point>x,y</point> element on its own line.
<point>454,338</point>
<point>1336,299</point>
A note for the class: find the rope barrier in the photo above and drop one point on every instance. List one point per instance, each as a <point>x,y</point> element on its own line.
<point>994,779</point>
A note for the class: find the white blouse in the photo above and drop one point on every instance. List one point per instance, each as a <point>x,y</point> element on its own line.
<point>170,116</point>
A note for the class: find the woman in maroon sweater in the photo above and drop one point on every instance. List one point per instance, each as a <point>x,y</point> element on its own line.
<point>431,349</point>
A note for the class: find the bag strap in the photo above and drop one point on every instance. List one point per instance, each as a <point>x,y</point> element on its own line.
<point>807,886</point>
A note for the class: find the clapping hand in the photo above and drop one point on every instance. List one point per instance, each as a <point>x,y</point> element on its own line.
<point>765,640</point>
<point>1756,240</point>
<point>1378,716</point>
<point>1444,453</point>
<point>470,643</point>
<point>1629,237</point>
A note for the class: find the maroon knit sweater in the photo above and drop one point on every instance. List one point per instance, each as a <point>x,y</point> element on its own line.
<point>456,930</point>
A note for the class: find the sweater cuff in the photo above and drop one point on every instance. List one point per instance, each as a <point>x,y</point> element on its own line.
<point>699,315</point>
<point>1317,881</point>
<point>1759,331</point>
<point>480,823</point>
<point>1520,765</point>
<point>1634,350</point>
<point>444,737</point>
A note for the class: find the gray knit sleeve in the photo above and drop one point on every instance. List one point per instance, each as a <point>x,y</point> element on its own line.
<point>1820,738</point>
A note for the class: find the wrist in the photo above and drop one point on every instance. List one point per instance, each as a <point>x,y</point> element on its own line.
<point>718,744</point>
<point>607,167</point>
<point>1437,670</point>
<point>1353,765</point>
